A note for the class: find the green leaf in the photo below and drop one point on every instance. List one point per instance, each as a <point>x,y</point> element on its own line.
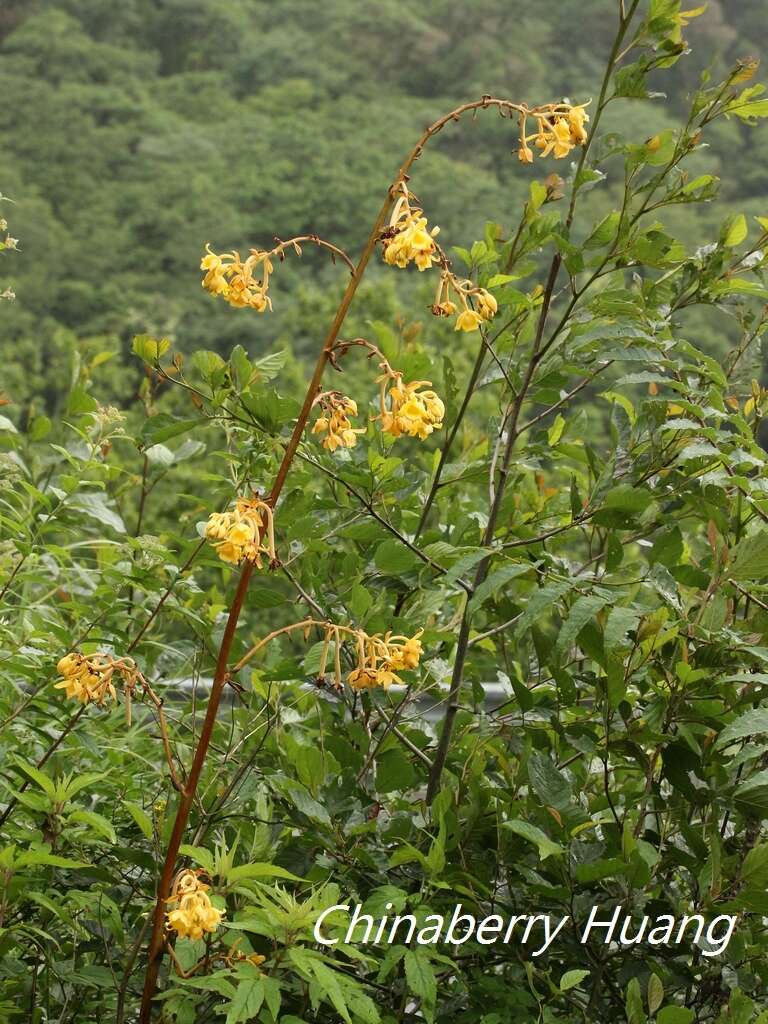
<point>394,558</point>
<point>495,581</point>
<point>550,785</point>
<point>583,610</point>
<point>604,232</point>
<point>47,784</point>
<point>51,860</point>
<point>329,984</point>
<point>675,1015</point>
<point>654,993</point>
<point>620,621</point>
<point>141,818</point>
<point>95,507</point>
<point>734,230</point>
<point>258,870</point>
<point>750,723</point>
<point>421,980</point>
<point>207,362</point>
<point>95,821</point>
<point>303,802</point>
<point>148,348</point>
<point>534,835</point>
<point>634,1004</point>
<point>749,559</point>
<point>199,855</point>
<point>572,978</point>
<point>596,871</point>
<point>162,427</point>
<point>246,1001</point>
<point>555,432</point>
<point>394,772</point>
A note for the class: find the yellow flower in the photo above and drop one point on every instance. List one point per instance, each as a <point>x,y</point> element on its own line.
<point>335,422</point>
<point>554,138</point>
<point>232,278</point>
<point>87,679</point>
<point>408,654</point>
<point>240,532</point>
<point>468,320</point>
<point>363,678</point>
<point>194,914</point>
<point>444,308</point>
<point>525,153</point>
<point>215,280</point>
<point>409,239</point>
<point>380,659</point>
<point>487,306</point>
<point>577,116</point>
<point>410,411</point>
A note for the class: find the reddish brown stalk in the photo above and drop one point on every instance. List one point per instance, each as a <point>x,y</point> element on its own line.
<point>156,943</point>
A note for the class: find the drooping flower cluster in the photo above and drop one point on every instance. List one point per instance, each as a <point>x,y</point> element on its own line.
<point>381,658</point>
<point>556,133</point>
<point>89,678</point>
<point>469,318</point>
<point>334,421</point>
<point>233,279</point>
<point>378,658</point>
<point>406,408</point>
<point>408,239</point>
<point>245,531</point>
<point>193,913</point>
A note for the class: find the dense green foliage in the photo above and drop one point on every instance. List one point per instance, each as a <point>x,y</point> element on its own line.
<point>588,528</point>
<point>133,132</point>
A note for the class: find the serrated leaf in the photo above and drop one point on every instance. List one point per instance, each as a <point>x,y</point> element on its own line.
<point>247,1000</point>
<point>421,980</point>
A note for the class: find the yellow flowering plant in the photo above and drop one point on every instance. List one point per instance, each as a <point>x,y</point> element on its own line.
<point>502,654</point>
<point>244,532</point>
<point>191,914</point>
<point>334,420</point>
<point>377,658</point>
<point>407,238</point>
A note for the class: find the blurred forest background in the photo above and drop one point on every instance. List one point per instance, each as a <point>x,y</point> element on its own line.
<point>134,132</point>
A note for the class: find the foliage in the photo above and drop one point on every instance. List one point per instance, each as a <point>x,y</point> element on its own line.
<point>132,136</point>
<point>587,527</point>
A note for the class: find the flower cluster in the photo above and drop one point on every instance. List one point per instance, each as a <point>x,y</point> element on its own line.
<point>378,658</point>
<point>88,678</point>
<point>556,133</point>
<point>407,239</point>
<point>469,318</point>
<point>194,914</point>
<point>406,408</point>
<point>334,421</point>
<point>240,532</point>
<point>381,658</point>
<point>233,279</point>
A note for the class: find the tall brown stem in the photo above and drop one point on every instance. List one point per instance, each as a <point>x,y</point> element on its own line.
<point>155,950</point>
